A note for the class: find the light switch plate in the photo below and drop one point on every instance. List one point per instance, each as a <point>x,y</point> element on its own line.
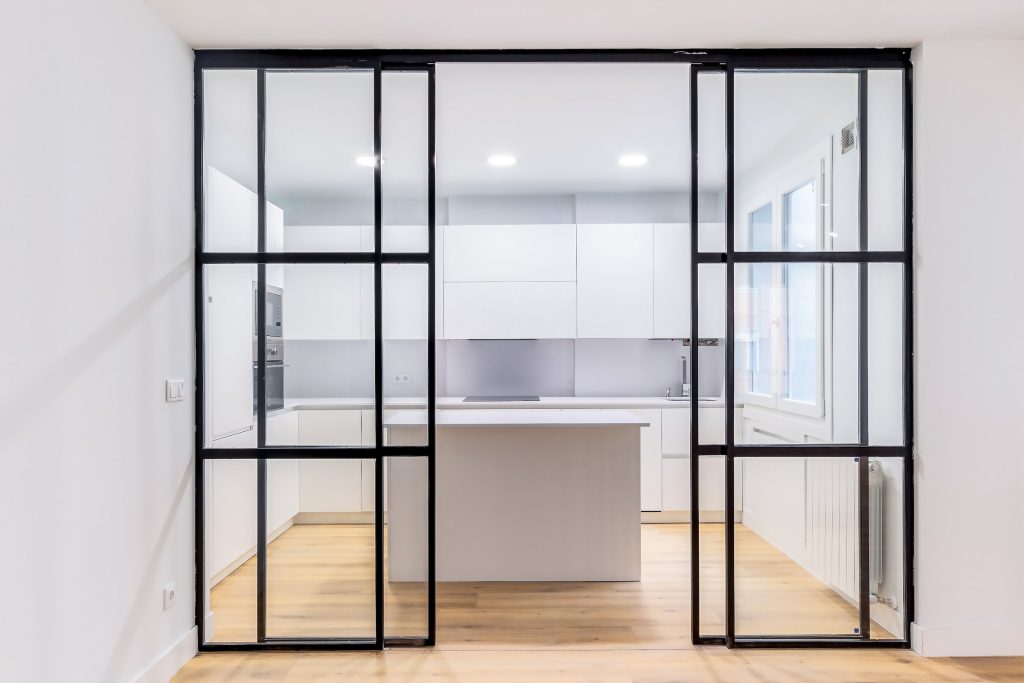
<point>174,390</point>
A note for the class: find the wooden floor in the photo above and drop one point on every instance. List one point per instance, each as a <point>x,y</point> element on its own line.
<point>320,583</point>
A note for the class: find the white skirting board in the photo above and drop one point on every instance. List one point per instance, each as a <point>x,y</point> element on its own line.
<point>683,517</point>
<point>967,642</point>
<point>171,661</point>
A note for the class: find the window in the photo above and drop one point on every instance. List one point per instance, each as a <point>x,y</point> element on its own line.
<point>780,336</point>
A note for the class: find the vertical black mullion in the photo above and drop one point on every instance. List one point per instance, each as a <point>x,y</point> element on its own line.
<point>730,361</point>
<point>199,402</point>
<point>261,357</point>
<point>431,351</point>
<point>694,372</point>
<point>378,366</point>
<point>908,351</point>
<point>863,465</point>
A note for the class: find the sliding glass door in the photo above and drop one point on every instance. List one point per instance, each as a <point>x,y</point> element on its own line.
<point>314,286</point>
<point>817,451</point>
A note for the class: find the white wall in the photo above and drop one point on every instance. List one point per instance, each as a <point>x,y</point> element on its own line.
<point>968,107</point>
<point>95,469</point>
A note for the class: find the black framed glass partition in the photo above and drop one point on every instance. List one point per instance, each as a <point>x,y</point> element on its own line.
<point>315,277</point>
<point>818,450</point>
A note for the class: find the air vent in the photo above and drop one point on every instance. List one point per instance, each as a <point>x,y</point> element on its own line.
<point>848,138</point>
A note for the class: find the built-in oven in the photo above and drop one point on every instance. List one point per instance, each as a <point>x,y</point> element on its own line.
<point>274,331</point>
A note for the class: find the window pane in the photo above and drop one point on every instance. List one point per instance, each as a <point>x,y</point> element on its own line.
<point>803,331</point>
<point>320,160</point>
<point>799,218</point>
<point>753,331</point>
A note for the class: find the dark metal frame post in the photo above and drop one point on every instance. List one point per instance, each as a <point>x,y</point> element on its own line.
<point>261,356</point>
<point>730,359</point>
<point>863,465</point>
<point>378,366</point>
<point>694,366</point>
<point>431,359</point>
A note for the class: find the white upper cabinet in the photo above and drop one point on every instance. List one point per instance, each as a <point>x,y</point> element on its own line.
<point>615,295</point>
<point>509,310</point>
<point>411,239</point>
<point>510,253</point>
<point>324,301</point>
<point>405,301</point>
<point>672,281</point>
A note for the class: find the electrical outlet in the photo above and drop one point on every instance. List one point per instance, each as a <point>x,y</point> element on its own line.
<point>400,378</point>
<point>170,596</point>
<point>174,390</point>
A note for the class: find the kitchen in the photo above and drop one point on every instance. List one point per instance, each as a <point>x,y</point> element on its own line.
<point>562,270</point>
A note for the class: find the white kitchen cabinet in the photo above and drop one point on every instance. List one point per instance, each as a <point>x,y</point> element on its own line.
<point>229,316</point>
<point>330,485</point>
<point>650,460</point>
<point>283,428</point>
<point>672,282</point>
<point>510,253</point>
<point>676,478</point>
<point>509,310</point>
<point>675,428</point>
<point>405,293</point>
<point>411,239</point>
<point>615,281</point>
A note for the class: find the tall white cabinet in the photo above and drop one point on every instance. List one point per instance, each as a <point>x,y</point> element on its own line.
<point>615,285</point>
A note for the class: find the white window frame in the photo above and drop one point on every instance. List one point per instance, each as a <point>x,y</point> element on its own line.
<point>815,165</point>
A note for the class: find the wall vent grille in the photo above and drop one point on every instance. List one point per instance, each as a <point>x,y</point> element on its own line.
<point>848,137</point>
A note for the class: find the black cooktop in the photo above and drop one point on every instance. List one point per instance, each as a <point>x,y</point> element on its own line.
<point>488,399</point>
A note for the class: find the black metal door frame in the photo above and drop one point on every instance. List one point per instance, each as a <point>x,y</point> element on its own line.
<point>727,61</point>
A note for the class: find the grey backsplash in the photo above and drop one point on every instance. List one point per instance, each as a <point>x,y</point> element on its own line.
<point>544,367</point>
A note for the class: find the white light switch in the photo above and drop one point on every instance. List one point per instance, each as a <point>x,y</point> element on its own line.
<point>174,390</point>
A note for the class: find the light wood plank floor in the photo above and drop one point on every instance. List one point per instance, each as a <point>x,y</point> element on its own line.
<point>320,583</point>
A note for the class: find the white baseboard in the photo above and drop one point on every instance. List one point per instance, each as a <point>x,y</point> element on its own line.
<point>334,518</point>
<point>967,642</point>
<point>683,517</point>
<point>171,661</point>
<point>888,618</point>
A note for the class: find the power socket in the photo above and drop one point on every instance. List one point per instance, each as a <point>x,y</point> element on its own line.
<point>400,378</point>
<point>170,596</point>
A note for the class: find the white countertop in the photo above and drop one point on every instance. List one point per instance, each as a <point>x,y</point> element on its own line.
<point>602,402</point>
<point>518,417</point>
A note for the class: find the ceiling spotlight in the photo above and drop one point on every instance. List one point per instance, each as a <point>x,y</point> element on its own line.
<point>632,160</point>
<point>501,160</point>
<point>366,160</point>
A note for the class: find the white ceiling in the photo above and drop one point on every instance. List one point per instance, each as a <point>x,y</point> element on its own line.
<point>551,24</point>
<point>567,125</point>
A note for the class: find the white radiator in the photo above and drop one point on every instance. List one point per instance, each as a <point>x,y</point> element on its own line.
<point>876,542</point>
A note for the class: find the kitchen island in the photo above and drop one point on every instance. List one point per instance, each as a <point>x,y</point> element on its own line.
<point>521,495</point>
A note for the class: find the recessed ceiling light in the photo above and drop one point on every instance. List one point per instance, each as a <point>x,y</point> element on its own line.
<point>366,160</point>
<point>632,160</point>
<point>501,160</point>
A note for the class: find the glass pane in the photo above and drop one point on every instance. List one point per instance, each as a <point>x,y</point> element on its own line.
<point>229,150</point>
<point>711,207</point>
<point>885,159</point>
<point>321,374</point>
<point>712,545</point>
<point>886,544</point>
<point>806,340</point>
<point>229,488</point>
<point>320,160</point>
<point>789,150</point>
<point>229,378</point>
<point>320,550</point>
<point>405,596</point>
<point>404,313</point>
<point>797,571</point>
<point>404,118</point>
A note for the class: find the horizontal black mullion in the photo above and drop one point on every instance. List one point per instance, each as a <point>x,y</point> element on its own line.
<point>312,257</point>
<point>784,642</point>
<point>820,257</point>
<point>709,640</point>
<point>712,257</point>
<point>814,450</point>
<point>711,449</point>
<point>403,451</point>
<point>309,452</point>
<point>287,257</point>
